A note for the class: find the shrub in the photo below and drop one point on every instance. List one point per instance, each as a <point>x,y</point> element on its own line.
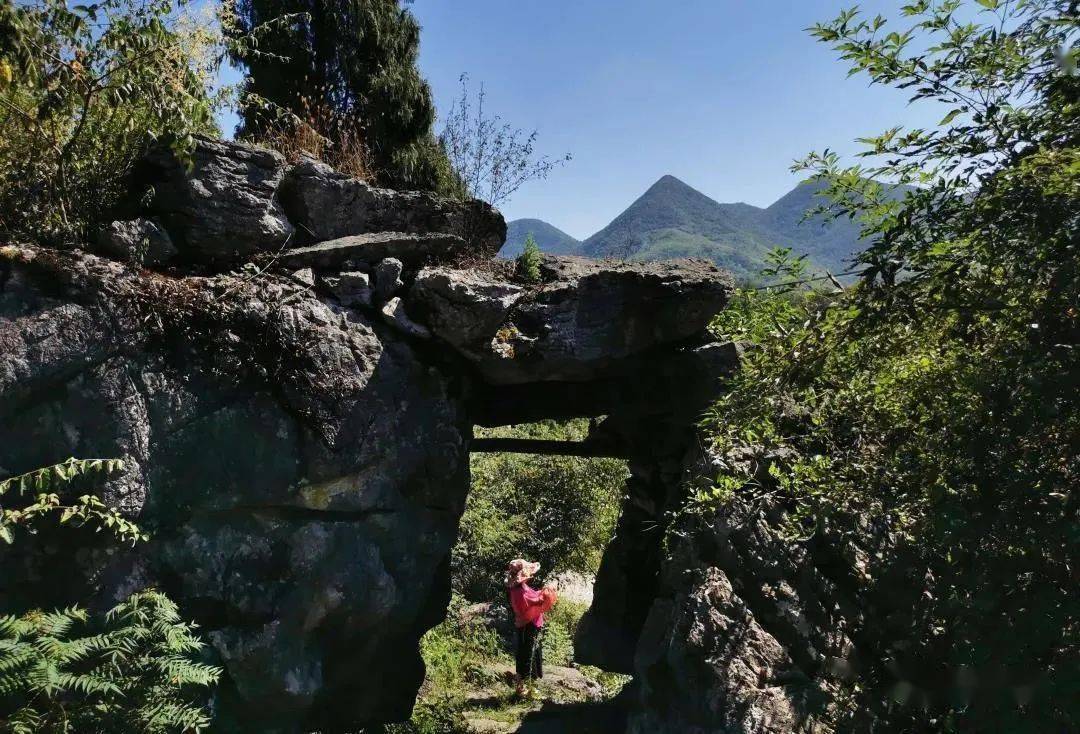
<point>491,158</point>
<point>560,626</point>
<point>84,88</point>
<point>528,262</point>
<point>932,407</point>
<point>135,669</point>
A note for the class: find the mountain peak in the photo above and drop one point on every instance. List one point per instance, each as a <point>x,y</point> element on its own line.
<point>667,181</point>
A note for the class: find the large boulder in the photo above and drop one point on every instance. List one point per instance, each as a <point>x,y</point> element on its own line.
<point>220,202</point>
<point>223,202</point>
<point>582,320</point>
<point>326,205</point>
<point>300,468</point>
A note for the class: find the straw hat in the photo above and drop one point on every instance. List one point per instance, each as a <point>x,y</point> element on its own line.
<point>519,570</point>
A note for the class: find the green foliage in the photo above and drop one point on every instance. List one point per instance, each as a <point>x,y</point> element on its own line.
<point>560,511</point>
<point>348,68</point>
<point>65,477</point>
<point>560,625</point>
<point>454,650</point>
<point>134,670</point>
<point>931,410</point>
<point>433,717</point>
<point>83,89</point>
<point>528,262</point>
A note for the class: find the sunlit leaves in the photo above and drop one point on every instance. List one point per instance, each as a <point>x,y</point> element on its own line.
<point>135,668</point>
<point>48,483</point>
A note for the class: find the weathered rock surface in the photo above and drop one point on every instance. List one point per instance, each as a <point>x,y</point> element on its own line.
<point>139,241</point>
<point>227,202</point>
<point>225,207</point>
<point>583,319</point>
<point>465,308</point>
<point>388,278</point>
<point>372,248</point>
<point>328,205</point>
<point>746,631</point>
<point>300,468</point>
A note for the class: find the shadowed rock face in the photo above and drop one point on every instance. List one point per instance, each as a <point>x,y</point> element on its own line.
<point>296,431</point>
<point>301,470</point>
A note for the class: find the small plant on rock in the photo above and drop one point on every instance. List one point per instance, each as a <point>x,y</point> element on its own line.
<point>528,262</point>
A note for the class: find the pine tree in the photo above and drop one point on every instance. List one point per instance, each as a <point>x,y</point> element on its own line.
<point>528,262</point>
<point>346,66</point>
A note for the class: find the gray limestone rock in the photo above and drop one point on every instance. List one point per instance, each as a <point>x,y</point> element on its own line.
<point>140,241</point>
<point>224,207</point>
<point>388,278</point>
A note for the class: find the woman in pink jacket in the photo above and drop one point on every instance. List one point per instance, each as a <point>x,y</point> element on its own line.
<point>529,606</point>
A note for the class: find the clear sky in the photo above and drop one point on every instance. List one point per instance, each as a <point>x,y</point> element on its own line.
<point>723,94</point>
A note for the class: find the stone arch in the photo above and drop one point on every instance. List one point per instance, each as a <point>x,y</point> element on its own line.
<point>292,362</point>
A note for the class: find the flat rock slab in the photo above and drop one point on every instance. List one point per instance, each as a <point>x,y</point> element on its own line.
<point>582,319</point>
<point>371,248</point>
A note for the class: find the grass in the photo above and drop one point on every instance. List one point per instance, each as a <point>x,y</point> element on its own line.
<point>464,662</point>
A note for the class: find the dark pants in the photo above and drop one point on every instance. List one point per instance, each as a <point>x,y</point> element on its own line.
<point>530,657</point>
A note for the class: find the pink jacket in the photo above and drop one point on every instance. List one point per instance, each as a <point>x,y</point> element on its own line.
<point>529,604</point>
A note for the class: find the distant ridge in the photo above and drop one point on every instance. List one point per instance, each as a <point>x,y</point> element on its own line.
<point>550,239</point>
<point>673,219</point>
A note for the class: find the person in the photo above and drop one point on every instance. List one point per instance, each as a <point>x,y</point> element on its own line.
<point>529,606</point>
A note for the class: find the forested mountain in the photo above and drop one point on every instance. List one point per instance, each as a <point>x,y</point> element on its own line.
<point>672,219</point>
<point>549,238</point>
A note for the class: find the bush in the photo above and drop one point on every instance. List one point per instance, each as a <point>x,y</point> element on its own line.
<point>135,669</point>
<point>84,88</point>
<point>560,626</point>
<point>528,262</point>
<point>932,408</point>
<point>558,510</point>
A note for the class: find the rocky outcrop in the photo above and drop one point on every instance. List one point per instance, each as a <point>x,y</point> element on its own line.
<point>223,202</point>
<point>295,411</point>
<point>220,203</point>
<point>300,467</point>
<point>328,205</point>
<point>583,319</point>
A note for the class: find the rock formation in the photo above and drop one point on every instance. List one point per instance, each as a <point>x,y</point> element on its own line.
<point>292,382</point>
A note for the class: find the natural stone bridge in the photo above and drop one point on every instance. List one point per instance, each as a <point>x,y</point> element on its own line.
<point>291,362</point>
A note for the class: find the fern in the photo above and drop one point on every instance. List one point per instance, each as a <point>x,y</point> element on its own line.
<point>135,669</point>
<point>48,482</point>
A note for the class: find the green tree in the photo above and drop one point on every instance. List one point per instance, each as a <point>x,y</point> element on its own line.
<point>528,262</point>
<point>83,90</point>
<point>932,408</point>
<point>347,68</point>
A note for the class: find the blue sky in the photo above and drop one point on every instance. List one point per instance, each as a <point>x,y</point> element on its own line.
<point>723,94</point>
